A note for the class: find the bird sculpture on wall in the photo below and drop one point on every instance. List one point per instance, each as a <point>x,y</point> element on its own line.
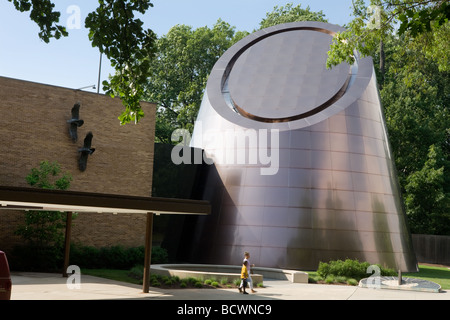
<point>75,122</point>
<point>85,151</point>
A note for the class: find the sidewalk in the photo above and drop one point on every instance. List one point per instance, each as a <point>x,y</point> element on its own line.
<point>49,286</point>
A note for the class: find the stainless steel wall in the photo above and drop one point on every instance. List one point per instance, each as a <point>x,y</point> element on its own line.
<point>334,194</point>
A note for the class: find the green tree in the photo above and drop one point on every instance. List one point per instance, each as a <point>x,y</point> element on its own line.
<point>415,95</point>
<point>114,29</point>
<point>130,48</point>
<point>427,204</point>
<point>437,46</point>
<point>184,59</point>
<point>372,23</point>
<point>47,176</point>
<point>43,14</point>
<point>409,38</point>
<point>45,228</point>
<point>289,13</point>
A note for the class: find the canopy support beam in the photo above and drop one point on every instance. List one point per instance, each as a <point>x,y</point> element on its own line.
<point>148,252</point>
<point>67,243</point>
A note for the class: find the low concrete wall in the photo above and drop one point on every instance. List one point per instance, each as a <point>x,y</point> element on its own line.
<point>282,274</point>
<point>231,273</point>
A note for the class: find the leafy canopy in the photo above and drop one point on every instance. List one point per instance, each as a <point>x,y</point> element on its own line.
<point>426,201</point>
<point>416,99</point>
<point>115,31</point>
<point>289,13</point>
<point>47,177</point>
<point>42,12</point>
<point>44,228</point>
<point>178,74</point>
<point>375,22</point>
<point>184,58</point>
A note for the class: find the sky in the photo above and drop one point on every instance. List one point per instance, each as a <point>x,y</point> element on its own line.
<point>72,62</point>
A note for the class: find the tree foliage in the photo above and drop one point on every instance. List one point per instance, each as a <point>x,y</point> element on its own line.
<point>42,12</point>
<point>184,59</point>
<point>186,56</point>
<point>415,95</point>
<point>289,13</point>
<point>44,228</point>
<point>373,23</point>
<point>409,38</point>
<point>116,32</point>
<point>47,176</point>
<point>426,200</point>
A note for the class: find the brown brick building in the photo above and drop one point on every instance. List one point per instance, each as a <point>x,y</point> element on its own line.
<point>34,128</point>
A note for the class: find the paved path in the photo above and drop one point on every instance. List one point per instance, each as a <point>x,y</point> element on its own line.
<point>48,286</point>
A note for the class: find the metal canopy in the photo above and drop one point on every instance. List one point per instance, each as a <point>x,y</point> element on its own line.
<point>19,198</point>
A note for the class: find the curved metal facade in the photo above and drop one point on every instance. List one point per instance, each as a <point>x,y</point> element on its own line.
<point>329,190</point>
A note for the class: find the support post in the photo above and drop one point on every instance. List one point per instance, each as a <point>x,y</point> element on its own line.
<point>67,243</point>
<point>399,277</point>
<point>99,73</point>
<point>148,252</point>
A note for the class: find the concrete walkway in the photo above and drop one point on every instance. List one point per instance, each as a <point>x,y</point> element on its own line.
<point>48,286</point>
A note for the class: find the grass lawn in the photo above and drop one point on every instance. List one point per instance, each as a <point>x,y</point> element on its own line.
<point>440,275</point>
<point>160,281</point>
<point>113,274</point>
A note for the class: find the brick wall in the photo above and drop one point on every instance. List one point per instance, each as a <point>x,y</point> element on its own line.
<point>33,128</point>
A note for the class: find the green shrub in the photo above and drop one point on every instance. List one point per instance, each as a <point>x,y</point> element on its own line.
<point>114,257</point>
<point>352,282</point>
<point>155,283</point>
<point>349,269</point>
<point>159,255</point>
<point>215,284</point>
<point>208,281</point>
<point>193,280</point>
<point>314,278</point>
<point>85,256</point>
<point>155,277</point>
<point>330,279</point>
<point>42,232</point>
<point>137,272</point>
<point>36,258</point>
<point>198,284</point>
<point>387,271</point>
<point>340,279</point>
